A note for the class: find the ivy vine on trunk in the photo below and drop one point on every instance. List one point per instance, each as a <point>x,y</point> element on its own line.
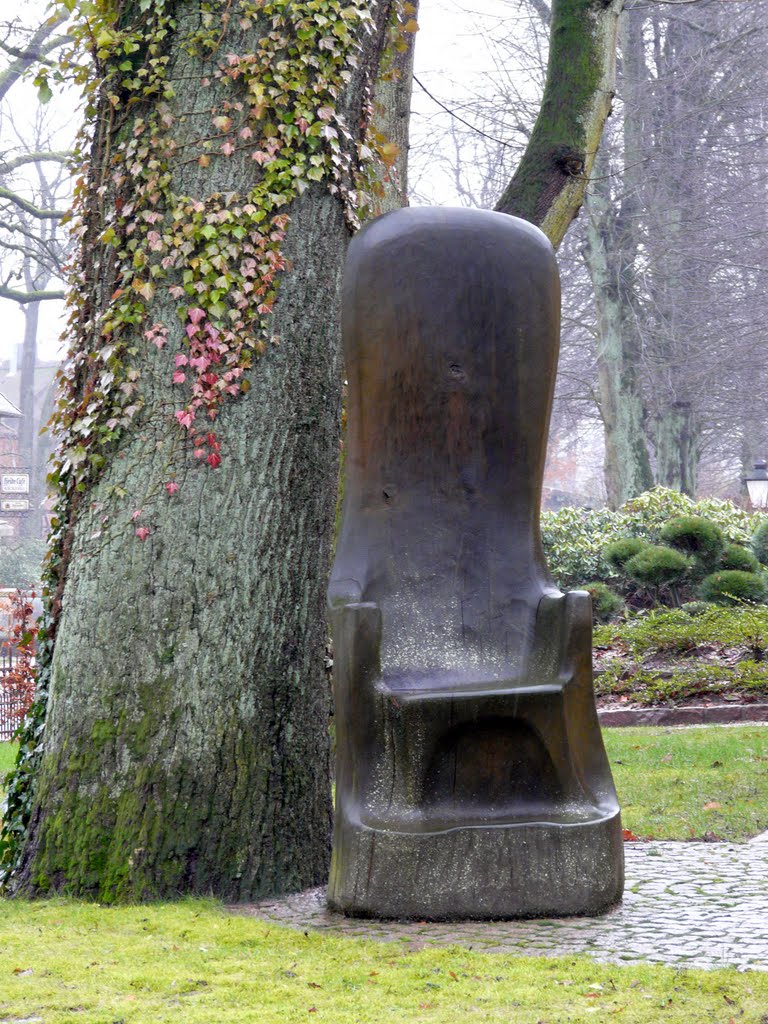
<point>228,154</point>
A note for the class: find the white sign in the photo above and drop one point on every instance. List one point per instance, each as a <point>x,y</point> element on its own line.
<point>14,505</point>
<point>15,483</point>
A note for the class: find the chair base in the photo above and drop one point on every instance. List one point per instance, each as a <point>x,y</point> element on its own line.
<point>481,872</point>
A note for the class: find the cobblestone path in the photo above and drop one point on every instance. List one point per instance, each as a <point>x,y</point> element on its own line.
<point>689,904</point>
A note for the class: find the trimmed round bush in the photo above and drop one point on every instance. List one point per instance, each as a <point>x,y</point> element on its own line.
<point>731,587</point>
<point>735,556</point>
<point>620,551</point>
<point>658,566</point>
<point>760,543</point>
<point>696,536</point>
<point>605,604</point>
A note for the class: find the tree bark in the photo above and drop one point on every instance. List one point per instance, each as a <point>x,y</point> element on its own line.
<point>677,447</point>
<point>186,744</point>
<point>392,118</point>
<point>627,467</point>
<point>548,186</point>
<point>610,253</point>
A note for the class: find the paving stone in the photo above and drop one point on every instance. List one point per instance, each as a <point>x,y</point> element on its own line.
<point>687,904</point>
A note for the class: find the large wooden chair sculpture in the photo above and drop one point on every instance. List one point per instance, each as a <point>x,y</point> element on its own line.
<point>471,775</point>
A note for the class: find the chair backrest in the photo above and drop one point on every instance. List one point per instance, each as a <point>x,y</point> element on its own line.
<point>451,336</point>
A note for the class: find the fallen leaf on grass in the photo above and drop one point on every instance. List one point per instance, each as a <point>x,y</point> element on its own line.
<point>628,836</point>
<point>313,984</point>
<point>713,805</point>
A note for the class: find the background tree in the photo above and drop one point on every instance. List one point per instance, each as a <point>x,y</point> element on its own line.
<point>34,192</point>
<point>32,257</point>
<point>662,274</point>
<point>672,202</point>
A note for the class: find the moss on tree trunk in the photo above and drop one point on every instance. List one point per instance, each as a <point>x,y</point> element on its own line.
<point>186,743</point>
<point>548,186</point>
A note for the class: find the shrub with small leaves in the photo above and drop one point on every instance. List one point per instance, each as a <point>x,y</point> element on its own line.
<point>759,543</point>
<point>736,556</point>
<point>605,603</point>
<point>732,586</point>
<point>658,566</point>
<point>674,631</point>
<point>620,551</point>
<point>575,539</point>
<point>695,608</point>
<point>695,536</point>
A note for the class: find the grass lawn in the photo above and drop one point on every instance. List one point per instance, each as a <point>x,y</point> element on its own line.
<point>674,783</point>
<point>687,783</point>
<point>7,759</point>
<point>192,962</point>
<point>7,756</point>
<point>66,962</point>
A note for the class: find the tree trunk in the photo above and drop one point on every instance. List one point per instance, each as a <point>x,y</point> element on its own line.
<point>677,282</point>
<point>627,467</point>
<point>392,114</point>
<point>548,186</point>
<point>612,241</point>
<point>677,447</point>
<point>30,524</point>
<point>186,745</point>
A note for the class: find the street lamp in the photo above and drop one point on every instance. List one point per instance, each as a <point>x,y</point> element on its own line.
<point>757,485</point>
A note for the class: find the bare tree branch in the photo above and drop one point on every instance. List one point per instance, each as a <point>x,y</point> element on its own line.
<point>48,156</point>
<point>30,208</point>
<point>40,44</point>
<point>32,296</point>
